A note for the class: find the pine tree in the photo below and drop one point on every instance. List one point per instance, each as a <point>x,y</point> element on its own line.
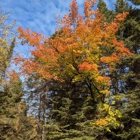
<point>71,113</point>
<point>108,14</point>
<point>131,36</point>
<point>7,43</point>
<point>77,73</point>
<point>14,123</point>
<point>126,78</point>
<point>136,2</point>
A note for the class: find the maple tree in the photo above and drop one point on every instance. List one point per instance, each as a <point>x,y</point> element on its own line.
<point>86,50</point>
<point>82,82</point>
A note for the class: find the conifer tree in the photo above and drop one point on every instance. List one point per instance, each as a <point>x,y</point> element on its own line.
<point>131,33</point>
<point>14,123</point>
<point>78,73</point>
<point>126,78</point>
<point>108,14</point>
<point>7,43</point>
<point>136,2</point>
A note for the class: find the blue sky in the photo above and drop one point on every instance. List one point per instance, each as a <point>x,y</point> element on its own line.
<point>39,15</point>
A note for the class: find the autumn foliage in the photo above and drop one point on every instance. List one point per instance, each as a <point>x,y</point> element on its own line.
<point>86,46</point>
<point>84,49</point>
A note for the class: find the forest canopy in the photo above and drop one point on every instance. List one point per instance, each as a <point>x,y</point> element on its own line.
<point>81,83</point>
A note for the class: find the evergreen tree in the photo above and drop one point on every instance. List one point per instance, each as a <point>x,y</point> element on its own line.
<point>7,43</point>
<point>14,123</point>
<point>108,14</point>
<point>136,2</point>
<point>76,77</point>
<point>126,78</point>
<point>131,33</point>
<point>71,113</point>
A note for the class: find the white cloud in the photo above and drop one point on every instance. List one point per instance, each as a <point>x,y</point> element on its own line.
<point>39,15</point>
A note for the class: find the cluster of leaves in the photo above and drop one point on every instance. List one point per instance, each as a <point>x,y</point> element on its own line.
<point>7,42</point>
<point>126,76</point>
<point>72,73</point>
<point>14,123</point>
<point>82,82</point>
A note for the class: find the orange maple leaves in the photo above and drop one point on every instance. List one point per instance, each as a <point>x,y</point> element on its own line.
<point>33,38</point>
<point>84,45</point>
<point>88,7</point>
<point>73,11</point>
<point>88,67</point>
